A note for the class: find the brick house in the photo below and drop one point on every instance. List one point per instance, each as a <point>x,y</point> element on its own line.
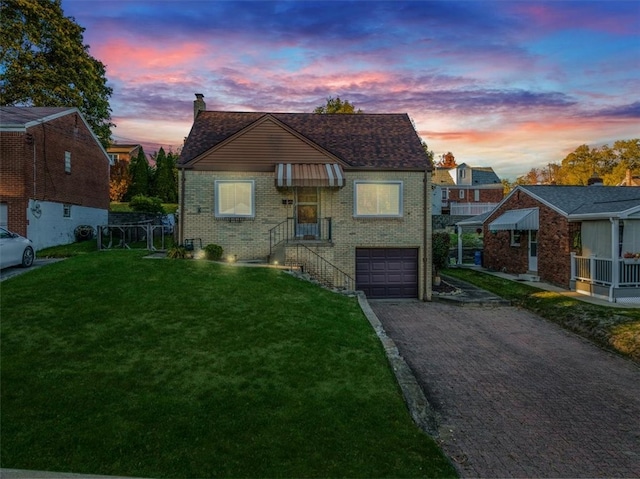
<point>54,174</point>
<point>343,196</point>
<point>572,236</point>
<point>465,190</point>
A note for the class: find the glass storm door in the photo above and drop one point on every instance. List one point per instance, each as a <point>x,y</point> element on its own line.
<point>306,213</point>
<point>533,250</point>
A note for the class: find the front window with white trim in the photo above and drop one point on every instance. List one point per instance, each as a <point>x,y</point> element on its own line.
<point>378,199</point>
<point>235,199</point>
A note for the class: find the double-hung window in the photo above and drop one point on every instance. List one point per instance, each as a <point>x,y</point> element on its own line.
<point>235,199</point>
<point>67,162</point>
<point>378,199</point>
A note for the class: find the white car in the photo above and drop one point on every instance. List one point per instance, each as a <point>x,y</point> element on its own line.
<point>15,250</point>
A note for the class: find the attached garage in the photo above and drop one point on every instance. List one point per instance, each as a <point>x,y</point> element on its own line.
<point>387,272</point>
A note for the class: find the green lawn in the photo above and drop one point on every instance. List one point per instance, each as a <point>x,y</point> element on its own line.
<point>617,329</point>
<point>115,364</point>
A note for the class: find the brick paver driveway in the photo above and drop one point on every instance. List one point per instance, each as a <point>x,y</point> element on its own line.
<point>516,396</point>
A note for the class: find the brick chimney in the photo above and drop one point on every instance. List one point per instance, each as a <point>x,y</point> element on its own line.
<point>198,105</point>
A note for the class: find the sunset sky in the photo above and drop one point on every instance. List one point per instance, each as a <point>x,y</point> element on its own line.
<point>507,84</point>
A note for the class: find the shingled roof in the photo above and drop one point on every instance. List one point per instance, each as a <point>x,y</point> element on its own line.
<point>583,200</point>
<point>386,141</point>
<point>19,116</point>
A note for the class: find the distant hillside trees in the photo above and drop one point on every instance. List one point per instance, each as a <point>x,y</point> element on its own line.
<point>609,163</point>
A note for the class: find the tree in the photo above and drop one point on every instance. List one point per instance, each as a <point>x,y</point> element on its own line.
<point>165,185</point>
<point>579,165</point>
<point>447,161</point>
<point>625,155</point>
<point>43,62</point>
<point>336,105</point>
<point>139,171</point>
<point>426,149</point>
<point>440,242</point>
<point>119,180</point>
<point>507,186</point>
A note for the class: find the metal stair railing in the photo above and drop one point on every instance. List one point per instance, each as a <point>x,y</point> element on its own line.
<point>321,269</point>
<point>285,232</point>
<point>280,233</point>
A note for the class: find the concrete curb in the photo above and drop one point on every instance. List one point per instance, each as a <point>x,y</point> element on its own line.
<point>421,411</point>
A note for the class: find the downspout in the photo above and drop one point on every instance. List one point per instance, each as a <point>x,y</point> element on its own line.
<point>615,257</point>
<point>182,190</point>
<point>426,295</point>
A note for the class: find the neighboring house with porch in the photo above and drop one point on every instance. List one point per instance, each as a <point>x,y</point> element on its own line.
<point>573,236</point>
<point>54,174</point>
<point>123,152</point>
<point>465,190</point>
<point>344,196</point>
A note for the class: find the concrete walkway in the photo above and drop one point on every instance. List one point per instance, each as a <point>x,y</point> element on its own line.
<point>517,396</point>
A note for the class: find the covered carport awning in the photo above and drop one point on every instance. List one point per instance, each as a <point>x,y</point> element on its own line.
<point>327,175</point>
<point>526,219</point>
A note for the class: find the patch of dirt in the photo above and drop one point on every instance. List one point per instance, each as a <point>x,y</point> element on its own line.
<point>444,288</point>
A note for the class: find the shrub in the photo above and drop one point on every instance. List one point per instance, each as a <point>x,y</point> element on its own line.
<point>213,252</point>
<point>84,232</point>
<point>177,252</point>
<point>146,204</point>
<point>440,247</point>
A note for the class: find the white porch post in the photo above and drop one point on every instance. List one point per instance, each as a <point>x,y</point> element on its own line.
<point>573,266</point>
<point>459,228</point>
<point>615,256</point>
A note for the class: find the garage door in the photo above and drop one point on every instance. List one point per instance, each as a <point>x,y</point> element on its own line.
<point>387,272</point>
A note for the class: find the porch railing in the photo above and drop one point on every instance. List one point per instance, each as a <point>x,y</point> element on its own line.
<point>320,269</point>
<point>286,232</point>
<point>473,209</point>
<point>600,271</point>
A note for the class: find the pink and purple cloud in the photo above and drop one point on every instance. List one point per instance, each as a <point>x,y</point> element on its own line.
<point>508,84</point>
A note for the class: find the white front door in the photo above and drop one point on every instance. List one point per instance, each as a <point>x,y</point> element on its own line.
<point>533,250</point>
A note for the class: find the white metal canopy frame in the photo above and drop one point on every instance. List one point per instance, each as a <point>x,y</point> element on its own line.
<point>525,219</point>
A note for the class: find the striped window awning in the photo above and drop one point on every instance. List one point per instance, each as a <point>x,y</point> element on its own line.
<point>526,219</point>
<point>327,175</point>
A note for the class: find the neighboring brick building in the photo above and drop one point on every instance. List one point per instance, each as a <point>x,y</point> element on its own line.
<point>312,189</point>
<point>571,236</point>
<point>54,174</point>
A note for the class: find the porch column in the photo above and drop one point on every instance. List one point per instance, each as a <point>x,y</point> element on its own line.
<point>615,255</point>
<point>459,228</point>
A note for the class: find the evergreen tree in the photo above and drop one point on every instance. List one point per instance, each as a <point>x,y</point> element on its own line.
<point>164,180</point>
<point>139,171</point>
